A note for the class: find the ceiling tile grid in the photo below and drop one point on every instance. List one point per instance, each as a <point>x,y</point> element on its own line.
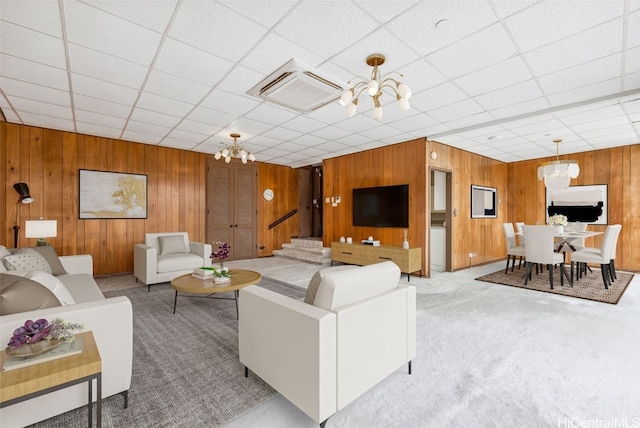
<point>176,73</point>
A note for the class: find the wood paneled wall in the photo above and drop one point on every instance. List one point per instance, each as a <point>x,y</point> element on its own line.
<point>283,180</point>
<point>395,164</point>
<point>616,167</point>
<point>48,161</point>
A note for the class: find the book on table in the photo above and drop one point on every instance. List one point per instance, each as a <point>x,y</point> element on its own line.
<point>66,349</point>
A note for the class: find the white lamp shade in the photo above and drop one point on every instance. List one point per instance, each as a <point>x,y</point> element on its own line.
<point>346,98</point>
<point>351,110</point>
<point>41,229</point>
<point>218,155</point>
<point>404,91</point>
<point>227,159</point>
<point>557,181</point>
<point>377,113</point>
<point>403,104</point>
<point>372,88</point>
<point>225,153</point>
<point>252,158</point>
<point>574,170</point>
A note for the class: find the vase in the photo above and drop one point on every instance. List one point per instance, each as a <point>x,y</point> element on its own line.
<point>221,280</point>
<point>33,349</point>
<point>559,229</point>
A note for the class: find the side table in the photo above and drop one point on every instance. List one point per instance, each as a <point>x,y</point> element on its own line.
<point>28,382</point>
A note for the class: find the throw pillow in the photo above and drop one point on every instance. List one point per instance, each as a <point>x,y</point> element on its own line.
<point>172,244</point>
<point>49,254</point>
<point>316,279</point>
<point>49,281</point>
<point>19,294</point>
<point>3,252</point>
<point>27,259</point>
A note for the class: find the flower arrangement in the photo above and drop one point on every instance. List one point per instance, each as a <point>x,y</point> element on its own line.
<point>34,331</point>
<point>558,220</point>
<point>222,252</point>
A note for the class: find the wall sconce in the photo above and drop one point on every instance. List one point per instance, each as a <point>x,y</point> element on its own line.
<point>41,229</point>
<point>25,198</point>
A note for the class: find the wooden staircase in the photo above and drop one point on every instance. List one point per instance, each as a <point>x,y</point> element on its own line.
<point>307,249</point>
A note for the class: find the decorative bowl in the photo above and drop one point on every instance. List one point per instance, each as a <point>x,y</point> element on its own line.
<point>33,349</point>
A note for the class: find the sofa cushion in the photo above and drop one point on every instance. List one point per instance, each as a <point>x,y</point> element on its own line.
<point>172,244</point>
<point>49,281</point>
<point>27,259</point>
<point>82,287</point>
<point>312,289</point>
<point>50,255</point>
<point>345,287</point>
<point>3,252</point>
<point>178,262</point>
<point>18,294</point>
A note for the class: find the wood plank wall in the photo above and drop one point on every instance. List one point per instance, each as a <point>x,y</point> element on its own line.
<point>616,167</point>
<point>395,164</point>
<point>283,180</point>
<point>48,161</point>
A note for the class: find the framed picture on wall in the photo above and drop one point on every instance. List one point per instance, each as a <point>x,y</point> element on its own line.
<point>484,202</point>
<point>105,195</point>
<point>585,204</point>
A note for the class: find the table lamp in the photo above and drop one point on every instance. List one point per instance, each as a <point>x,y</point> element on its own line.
<point>41,229</point>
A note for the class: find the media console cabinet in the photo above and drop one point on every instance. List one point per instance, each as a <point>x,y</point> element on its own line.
<point>409,261</point>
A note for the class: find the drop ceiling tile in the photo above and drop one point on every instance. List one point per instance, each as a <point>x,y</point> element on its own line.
<point>473,119</point>
<point>98,130</point>
<point>164,105</point>
<point>585,93</point>
<point>434,98</point>
<point>456,111</point>
<point>505,73</point>
<point>333,146</point>
<point>458,19</point>
<point>426,132</point>
<point>92,118</point>
<point>310,151</point>
<point>146,128</point>
<point>249,125</point>
<point>229,103</point>
<point>421,75</point>
<point>174,87</point>
<point>581,75</point>
<point>33,72</point>
<point>41,108</point>
<point>141,137</point>
<point>413,122</point>
<point>34,92</point>
<point>46,121</point>
<point>99,89</point>
<point>470,54</point>
<point>42,16</point>
<point>331,133</point>
<point>95,105</point>
<point>270,114</point>
<point>303,124</point>
<point>266,13</point>
<point>632,62</point>
<point>31,45</point>
<point>357,123</point>
<point>86,26</point>
<point>632,82</point>
<point>624,138</point>
<point>598,42</point>
<point>385,11</point>
<point>354,140</point>
<point>522,108</point>
<point>193,137</point>
<point>507,8</point>
<point>204,148</point>
<point>510,95</point>
<point>183,60</point>
<point>215,29</point>
<point>274,51</point>
<point>211,117</point>
<point>328,113</point>
<point>198,127</point>
<point>154,118</point>
<point>609,144</point>
<point>290,146</point>
<point>281,134</point>
<point>535,127</point>
<point>548,21</point>
<point>154,16</point>
<point>603,132</point>
<point>10,115</point>
<point>177,144</point>
<point>590,116</point>
<point>105,67</point>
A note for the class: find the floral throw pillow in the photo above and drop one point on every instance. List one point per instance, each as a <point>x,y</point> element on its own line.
<point>27,259</point>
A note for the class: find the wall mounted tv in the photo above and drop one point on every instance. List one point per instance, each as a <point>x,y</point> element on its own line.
<point>386,206</point>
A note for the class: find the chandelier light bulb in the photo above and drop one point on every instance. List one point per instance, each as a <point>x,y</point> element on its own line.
<point>403,104</point>
<point>346,97</point>
<point>377,113</point>
<point>351,110</point>
<point>372,88</point>
<point>252,158</point>
<point>244,160</point>
<point>225,153</point>
<point>217,156</point>
<point>227,159</point>
<point>243,154</point>
<point>404,91</point>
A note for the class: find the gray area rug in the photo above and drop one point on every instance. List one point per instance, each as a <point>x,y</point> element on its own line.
<point>186,371</point>
<point>590,286</point>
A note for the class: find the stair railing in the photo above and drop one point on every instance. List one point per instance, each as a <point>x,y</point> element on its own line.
<point>283,218</point>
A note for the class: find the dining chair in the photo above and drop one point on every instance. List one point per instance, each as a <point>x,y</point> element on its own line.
<point>520,238</point>
<point>604,256</point>
<point>513,250</point>
<point>540,249</point>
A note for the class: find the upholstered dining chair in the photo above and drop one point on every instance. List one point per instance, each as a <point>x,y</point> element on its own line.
<point>540,249</point>
<point>519,225</point>
<point>513,250</point>
<point>604,256</point>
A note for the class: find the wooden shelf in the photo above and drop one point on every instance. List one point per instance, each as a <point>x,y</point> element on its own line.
<point>409,261</point>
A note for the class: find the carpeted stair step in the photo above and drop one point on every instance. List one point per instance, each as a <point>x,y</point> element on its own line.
<point>310,250</point>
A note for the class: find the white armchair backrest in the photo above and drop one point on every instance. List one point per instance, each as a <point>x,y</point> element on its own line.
<point>151,239</point>
<point>539,246</point>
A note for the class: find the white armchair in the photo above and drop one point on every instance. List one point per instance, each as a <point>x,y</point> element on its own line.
<point>164,256</point>
<point>360,328</point>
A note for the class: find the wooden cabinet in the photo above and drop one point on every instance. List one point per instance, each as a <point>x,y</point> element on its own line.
<point>408,261</point>
<point>232,207</point>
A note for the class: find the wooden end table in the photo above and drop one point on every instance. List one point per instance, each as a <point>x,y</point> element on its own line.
<point>39,379</point>
<point>239,279</point>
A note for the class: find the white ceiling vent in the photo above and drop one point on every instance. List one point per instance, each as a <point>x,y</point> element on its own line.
<point>298,86</point>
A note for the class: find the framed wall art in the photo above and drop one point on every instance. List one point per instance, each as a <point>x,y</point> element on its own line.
<point>586,204</point>
<point>111,195</point>
<point>484,202</point>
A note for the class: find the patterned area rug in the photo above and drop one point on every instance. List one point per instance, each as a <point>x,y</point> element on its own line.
<point>186,371</point>
<point>590,286</point>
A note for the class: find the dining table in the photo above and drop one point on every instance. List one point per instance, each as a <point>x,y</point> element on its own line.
<point>568,238</point>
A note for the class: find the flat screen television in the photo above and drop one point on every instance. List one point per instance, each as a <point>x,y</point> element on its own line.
<point>386,206</point>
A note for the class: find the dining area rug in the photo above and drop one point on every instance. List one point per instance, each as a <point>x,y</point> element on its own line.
<point>589,286</point>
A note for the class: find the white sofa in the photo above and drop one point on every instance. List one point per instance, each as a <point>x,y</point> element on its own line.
<point>154,262</point>
<point>360,328</point>
<point>111,322</point>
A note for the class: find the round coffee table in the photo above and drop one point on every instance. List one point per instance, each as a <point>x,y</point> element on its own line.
<point>239,278</point>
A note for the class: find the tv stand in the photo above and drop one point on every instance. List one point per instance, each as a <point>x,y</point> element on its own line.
<point>409,261</point>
